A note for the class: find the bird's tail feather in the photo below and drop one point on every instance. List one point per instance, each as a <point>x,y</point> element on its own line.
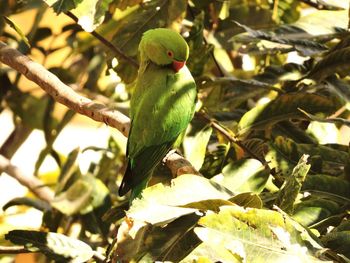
<point>137,190</point>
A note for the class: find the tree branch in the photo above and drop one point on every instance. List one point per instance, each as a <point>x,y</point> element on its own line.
<point>61,92</point>
<point>319,6</point>
<point>14,250</point>
<point>30,181</point>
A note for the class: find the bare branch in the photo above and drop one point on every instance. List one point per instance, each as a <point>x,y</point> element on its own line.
<point>60,91</point>
<point>28,180</point>
<point>14,250</point>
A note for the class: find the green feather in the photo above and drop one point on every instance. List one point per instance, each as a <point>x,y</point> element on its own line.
<point>161,107</point>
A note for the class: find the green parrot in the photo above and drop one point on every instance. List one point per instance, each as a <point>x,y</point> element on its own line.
<point>161,107</point>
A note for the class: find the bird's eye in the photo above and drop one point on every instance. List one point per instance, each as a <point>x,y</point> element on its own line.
<point>170,54</point>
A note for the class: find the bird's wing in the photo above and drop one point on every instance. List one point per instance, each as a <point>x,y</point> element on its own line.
<point>163,112</point>
<point>141,166</point>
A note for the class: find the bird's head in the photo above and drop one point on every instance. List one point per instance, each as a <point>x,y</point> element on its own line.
<point>164,46</point>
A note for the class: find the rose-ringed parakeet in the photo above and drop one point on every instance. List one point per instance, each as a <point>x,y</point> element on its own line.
<point>161,107</point>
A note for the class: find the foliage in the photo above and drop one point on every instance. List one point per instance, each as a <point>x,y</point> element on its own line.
<point>274,85</point>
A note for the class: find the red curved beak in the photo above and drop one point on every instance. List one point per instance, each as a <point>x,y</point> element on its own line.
<point>177,65</point>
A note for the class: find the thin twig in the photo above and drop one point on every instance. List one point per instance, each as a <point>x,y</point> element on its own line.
<point>108,44</point>
<point>14,250</point>
<point>30,181</point>
<point>318,5</point>
<point>215,125</point>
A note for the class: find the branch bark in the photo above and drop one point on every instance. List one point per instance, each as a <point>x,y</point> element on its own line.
<point>60,91</point>
<point>28,180</point>
<point>13,250</point>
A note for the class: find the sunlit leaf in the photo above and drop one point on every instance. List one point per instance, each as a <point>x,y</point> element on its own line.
<point>328,184</point>
<point>17,29</point>
<point>339,241</point>
<point>123,4</point>
<point>284,107</point>
<point>90,14</point>
<point>335,62</point>
<point>195,145</point>
<point>305,47</point>
<point>62,5</point>
<point>69,172</point>
<point>31,202</point>
<point>284,154</point>
<point>29,108</point>
<point>288,193</point>
<point>82,196</point>
<point>245,175</point>
<point>310,212</point>
<point>160,204</point>
<point>252,235</point>
<point>170,242</point>
<point>247,200</point>
<point>339,87</point>
<point>56,246</point>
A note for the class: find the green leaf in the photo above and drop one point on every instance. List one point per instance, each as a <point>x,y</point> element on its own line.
<point>82,196</point>
<point>305,35</point>
<point>167,243</point>
<point>69,172</point>
<point>311,212</point>
<point>245,175</point>
<point>30,109</point>
<point>76,198</point>
<point>247,200</point>
<point>275,74</point>
<point>338,241</point>
<point>282,108</point>
<point>328,184</point>
<point>56,246</point>
<point>31,202</point>
<point>17,29</point>
<point>252,235</point>
<point>339,87</point>
<point>123,4</point>
<point>169,202</point>
<point>195,144</point>
<point>214,160</point>
<point>288,193</point>
<point>63,5</point>
<point>284,154</point>
<point>90,13</point>
<point>335,62</point>
<point>52,129</point>
<point>323,22</point>
<point>163,207</point>
<point>305,47</point>
<point>200,52</point>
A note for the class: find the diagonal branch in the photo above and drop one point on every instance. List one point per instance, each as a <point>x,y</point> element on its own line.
<point>30,181</point>
<point>60,91</point>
